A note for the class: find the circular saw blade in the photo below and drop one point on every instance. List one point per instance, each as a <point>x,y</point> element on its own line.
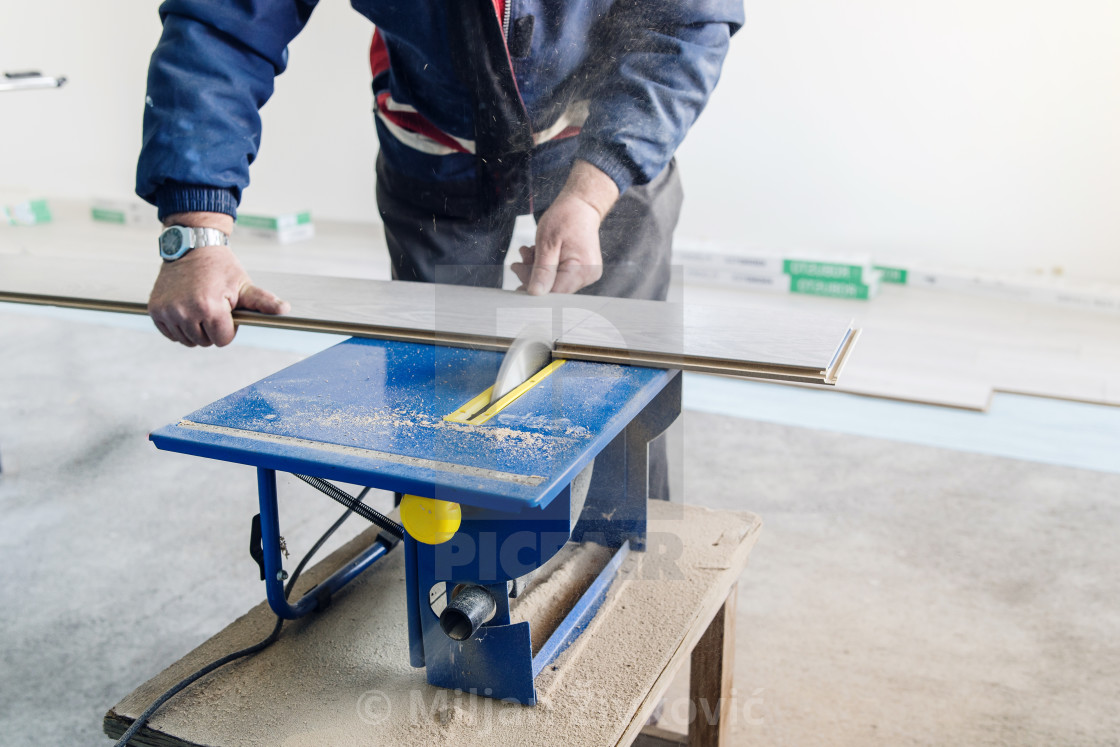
<point>530,352</point>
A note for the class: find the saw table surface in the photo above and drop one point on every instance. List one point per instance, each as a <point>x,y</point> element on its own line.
<point>371,412</point>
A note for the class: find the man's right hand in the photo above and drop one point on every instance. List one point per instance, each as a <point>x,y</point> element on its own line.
<point>194,297</point>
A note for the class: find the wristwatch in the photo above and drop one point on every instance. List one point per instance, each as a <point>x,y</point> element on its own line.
<point>175,241</point>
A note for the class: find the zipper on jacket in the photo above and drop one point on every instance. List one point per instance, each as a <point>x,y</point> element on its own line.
<point>504,22</point>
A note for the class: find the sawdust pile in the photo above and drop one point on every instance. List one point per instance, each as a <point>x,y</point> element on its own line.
<point>404,423</point>
<point>564,579</point>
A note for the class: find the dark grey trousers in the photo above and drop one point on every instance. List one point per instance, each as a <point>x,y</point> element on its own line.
<point>635,239</point>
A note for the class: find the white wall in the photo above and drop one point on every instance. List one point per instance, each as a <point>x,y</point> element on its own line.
<point>979,133</point>
<point>318,145</point>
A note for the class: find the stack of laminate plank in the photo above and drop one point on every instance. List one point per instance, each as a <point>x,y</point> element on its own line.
<point>851,277</point>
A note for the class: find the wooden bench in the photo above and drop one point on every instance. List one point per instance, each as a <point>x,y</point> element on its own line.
<point>342,677</point>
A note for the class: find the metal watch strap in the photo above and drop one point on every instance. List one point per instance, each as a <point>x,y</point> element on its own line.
<point>208,237</point>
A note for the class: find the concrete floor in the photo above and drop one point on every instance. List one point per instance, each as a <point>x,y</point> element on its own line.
<point>900,594</point>
<point>904,594</point>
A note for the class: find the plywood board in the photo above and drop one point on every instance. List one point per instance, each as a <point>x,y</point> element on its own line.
<point>744,342</point>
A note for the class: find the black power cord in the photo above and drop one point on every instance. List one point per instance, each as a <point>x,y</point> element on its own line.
<point>352,507</point>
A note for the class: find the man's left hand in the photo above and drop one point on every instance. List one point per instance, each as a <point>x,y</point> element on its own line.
<point>566,256</point>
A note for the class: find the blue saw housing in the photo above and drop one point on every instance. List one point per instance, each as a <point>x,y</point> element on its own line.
<point>371,412</point>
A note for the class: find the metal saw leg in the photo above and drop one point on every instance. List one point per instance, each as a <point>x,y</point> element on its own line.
<point>274,573</point>
<point>616,501</point>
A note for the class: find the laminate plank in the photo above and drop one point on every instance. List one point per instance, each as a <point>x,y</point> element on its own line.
<point>750,334</point>
<point>920,345</point>
<point>923,388</point>
<point>363,307</point>
<point>754,342</point>
<point>950,349</point>
<point>791,374</point>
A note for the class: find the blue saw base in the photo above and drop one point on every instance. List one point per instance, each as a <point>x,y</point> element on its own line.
<point>371,412</point>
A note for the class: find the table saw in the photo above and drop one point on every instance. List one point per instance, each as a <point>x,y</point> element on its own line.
<point>493,486</point>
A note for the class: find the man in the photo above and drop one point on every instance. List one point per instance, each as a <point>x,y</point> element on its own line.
<point>485,109</point>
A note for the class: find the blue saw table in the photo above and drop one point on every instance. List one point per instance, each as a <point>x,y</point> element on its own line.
<point>375,413</point>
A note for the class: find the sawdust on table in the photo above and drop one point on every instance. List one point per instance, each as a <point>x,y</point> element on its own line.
<point>534,434</point>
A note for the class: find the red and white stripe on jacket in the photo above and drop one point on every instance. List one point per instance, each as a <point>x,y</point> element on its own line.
<point>414,130</point>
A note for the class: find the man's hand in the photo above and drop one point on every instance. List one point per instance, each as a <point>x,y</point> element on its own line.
<point>566,256</point>
<point>194,297</point>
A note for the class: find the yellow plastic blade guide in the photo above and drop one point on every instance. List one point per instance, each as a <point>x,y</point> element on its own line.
<point>476,412</point>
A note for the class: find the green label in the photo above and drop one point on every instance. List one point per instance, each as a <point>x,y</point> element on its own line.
<point>892,274</point>
<point>29,213</point>
<point>832,288</point>
<point>826,270</point>
<point>107,216</point>
<point>41,211</point>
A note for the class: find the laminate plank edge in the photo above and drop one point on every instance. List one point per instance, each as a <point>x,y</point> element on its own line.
<point>734,342</point>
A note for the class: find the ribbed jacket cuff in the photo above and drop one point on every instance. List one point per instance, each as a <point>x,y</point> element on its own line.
<point>174,198</point>
<point>613,164</point>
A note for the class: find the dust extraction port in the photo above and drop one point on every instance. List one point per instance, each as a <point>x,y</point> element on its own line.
<point>470,606</point>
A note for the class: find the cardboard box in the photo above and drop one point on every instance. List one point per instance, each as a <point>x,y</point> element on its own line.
<point>24,212</point>
<point>282,227</point>
<point>124,213</point>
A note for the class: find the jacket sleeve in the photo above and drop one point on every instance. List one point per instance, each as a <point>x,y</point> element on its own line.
<point>211,72</point>
<point>667,60</point>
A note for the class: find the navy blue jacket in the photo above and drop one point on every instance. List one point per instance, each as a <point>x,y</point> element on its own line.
<point>466,102</point>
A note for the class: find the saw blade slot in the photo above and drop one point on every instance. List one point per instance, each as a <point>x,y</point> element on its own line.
<point>478,410</point>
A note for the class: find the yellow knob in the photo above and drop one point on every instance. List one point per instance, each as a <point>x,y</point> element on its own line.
<point>429,520</point>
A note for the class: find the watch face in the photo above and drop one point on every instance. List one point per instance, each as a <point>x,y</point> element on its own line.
<point>170,242</point>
